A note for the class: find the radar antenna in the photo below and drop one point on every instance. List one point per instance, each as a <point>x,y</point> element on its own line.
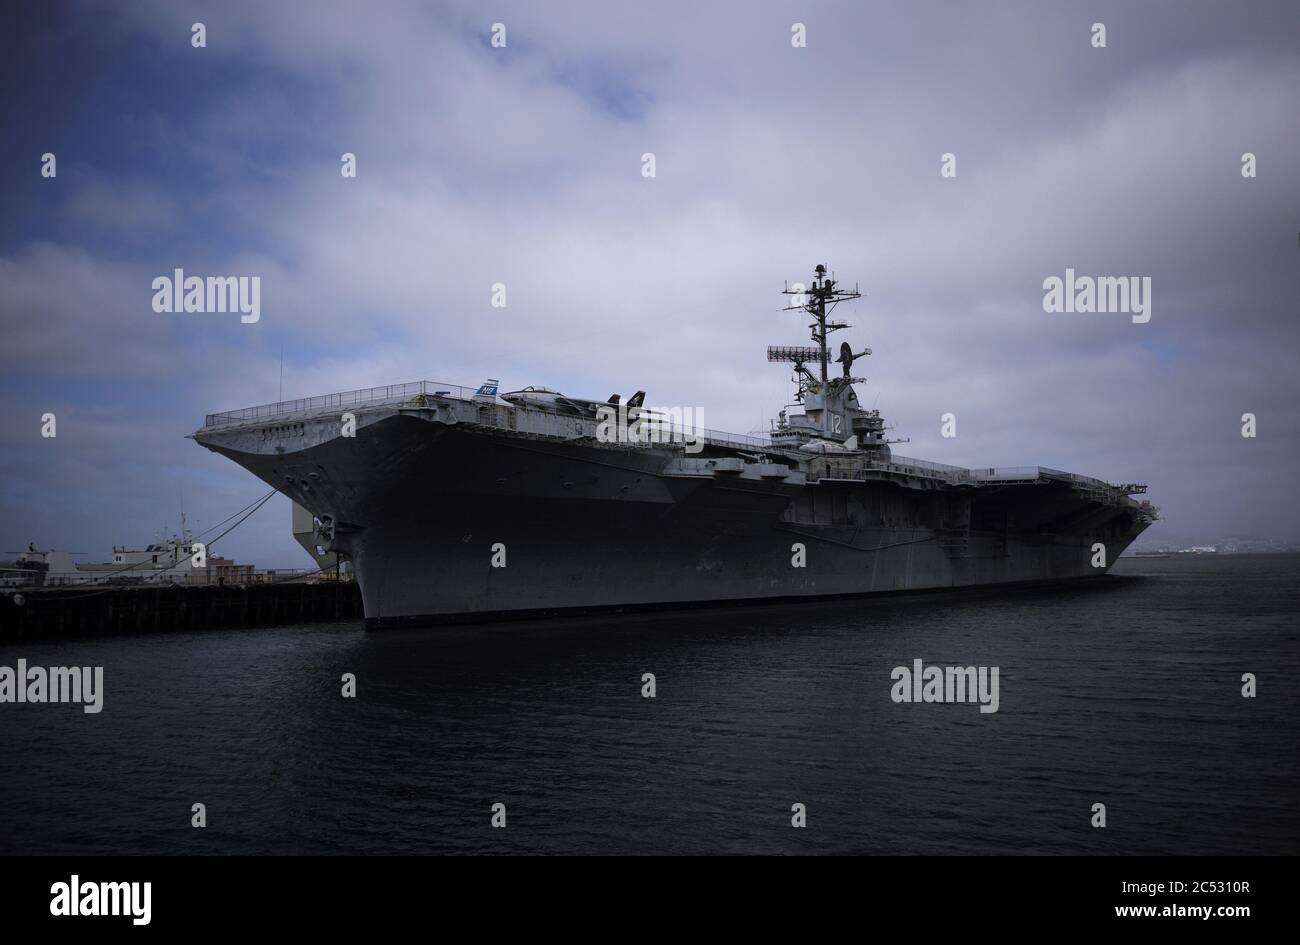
<point>818,300</point>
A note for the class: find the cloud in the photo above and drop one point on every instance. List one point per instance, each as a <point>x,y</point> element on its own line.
<point>522,166</point>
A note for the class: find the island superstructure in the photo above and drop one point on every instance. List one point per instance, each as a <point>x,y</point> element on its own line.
<point>458,503</point>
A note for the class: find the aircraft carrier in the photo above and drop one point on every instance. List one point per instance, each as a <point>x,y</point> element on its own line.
<point>460,503</point>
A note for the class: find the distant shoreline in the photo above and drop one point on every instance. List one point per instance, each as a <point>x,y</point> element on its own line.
<point>1206,554</point>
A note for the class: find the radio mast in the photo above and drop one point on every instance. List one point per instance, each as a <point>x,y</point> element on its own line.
<point>818,301</point>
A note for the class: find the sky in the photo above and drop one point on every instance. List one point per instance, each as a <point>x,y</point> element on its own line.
<point>522,165</point>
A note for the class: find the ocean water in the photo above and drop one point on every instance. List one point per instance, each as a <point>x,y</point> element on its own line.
<point>1125,691</point>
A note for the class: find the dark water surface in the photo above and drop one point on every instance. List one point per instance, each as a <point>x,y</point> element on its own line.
<point>1126,692</point>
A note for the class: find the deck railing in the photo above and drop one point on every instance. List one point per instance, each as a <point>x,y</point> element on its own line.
<point>366,396</point>
<point>405,393</point>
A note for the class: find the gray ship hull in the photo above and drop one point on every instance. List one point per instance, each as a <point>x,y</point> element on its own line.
<point>443,518</point>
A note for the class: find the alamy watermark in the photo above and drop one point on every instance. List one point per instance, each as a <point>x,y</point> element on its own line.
<point>921,683</point>
<point>1127,294</point>
<point>181,293</point>
<point>71,684</point>
<point>645,425</point>
<point>82,898</point>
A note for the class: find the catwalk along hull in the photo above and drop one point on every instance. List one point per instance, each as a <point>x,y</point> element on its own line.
<point>454,510</point>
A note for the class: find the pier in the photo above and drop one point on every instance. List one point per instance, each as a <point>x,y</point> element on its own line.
<point>61,612</point>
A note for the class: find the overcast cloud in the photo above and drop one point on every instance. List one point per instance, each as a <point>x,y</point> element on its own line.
<point>522,166</point>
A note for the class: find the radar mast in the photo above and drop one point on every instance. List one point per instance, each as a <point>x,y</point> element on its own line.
<point>818,300</point>
<point>831,408</point>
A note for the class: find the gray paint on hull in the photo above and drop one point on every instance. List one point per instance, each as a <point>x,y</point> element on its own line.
<point>589,526</point>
